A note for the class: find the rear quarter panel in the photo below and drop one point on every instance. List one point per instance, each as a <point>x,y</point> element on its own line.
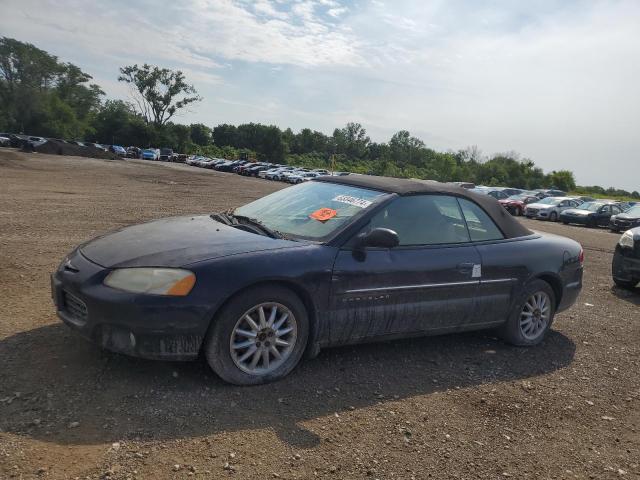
<point>552,258</point>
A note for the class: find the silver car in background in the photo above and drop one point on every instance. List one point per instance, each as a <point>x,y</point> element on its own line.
<point>550,208</point>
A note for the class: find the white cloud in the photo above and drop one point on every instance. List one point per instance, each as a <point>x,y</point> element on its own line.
<point>553,79</point>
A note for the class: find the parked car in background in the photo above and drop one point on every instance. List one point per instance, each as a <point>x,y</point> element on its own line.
<point>166,154</point>
<point>179,157</point>
<point>550,208</point>
<point>624,221</point>
<point>18,140</point>
<point>118,150</point>
<point>99,146</point>
<point>303,177</point>
<point>31,143</point>
<point>625,267</point>
<point>496,193</point>
<point>512,191</point>
<point>255,170</point>
<point>5,141</point>
<point>150,154</point>
<point>590,214</point>
<point>188,287</point>
<point>229,165</point>
<point>134,152</point>
<point>515,204</point>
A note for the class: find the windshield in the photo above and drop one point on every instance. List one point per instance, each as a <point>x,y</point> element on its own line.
<point>633,211</point>
<point>591,206</point>
<point>311,210</point>
<point>550,201</point>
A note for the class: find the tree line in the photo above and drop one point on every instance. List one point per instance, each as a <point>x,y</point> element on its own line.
<point>41,95</point>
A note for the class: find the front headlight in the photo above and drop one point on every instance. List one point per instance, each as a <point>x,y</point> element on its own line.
<point>153,281</point>
<point>626,240</point>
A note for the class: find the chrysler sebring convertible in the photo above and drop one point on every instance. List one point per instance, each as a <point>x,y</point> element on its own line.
<point>333,261</point>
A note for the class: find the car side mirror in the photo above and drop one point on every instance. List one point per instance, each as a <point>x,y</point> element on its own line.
<point>378,238</point>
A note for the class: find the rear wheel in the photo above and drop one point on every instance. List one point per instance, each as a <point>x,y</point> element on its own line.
<point>532,315</point>
<point>258,337</point>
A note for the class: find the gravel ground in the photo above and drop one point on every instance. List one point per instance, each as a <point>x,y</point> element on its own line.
<point>457,406</point>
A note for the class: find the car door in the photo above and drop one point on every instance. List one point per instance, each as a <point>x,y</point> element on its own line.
<point>604,214</point>
<point>502,267</point>
<point>427,283</point>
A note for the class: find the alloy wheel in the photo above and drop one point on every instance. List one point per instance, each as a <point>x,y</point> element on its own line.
<point>534,317</point>
<point>263,338</point>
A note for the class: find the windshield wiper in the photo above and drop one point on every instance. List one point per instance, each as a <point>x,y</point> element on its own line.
<point>272,233</point>
<point>228,218</point>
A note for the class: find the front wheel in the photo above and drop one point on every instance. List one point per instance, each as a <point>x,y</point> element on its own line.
<point>258,337</point>
<point>553,217</point>
<point>626,284</point>
<point>532,316</point>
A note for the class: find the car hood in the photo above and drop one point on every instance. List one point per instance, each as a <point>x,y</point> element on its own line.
<point>175,242</point>
<point>626,216</point>
<point>577,211</point>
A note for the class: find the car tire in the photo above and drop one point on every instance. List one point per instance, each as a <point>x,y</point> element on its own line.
<point>519,331</point>
<point>553,217</point>
<point>626,284</point>
<point>564,222</point>
<point>591,223</point>
<point>229,363</point>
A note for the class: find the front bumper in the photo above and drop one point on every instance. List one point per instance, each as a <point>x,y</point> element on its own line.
<point>577,219</point>
<point>625,266</point>
<point>539,214</point>
<point>147,326</point>
<point>623,225</point>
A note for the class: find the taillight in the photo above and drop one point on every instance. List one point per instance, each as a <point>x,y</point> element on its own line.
<point>581,256</point>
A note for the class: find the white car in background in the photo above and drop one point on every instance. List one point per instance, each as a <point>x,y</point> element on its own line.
<point>550,208</point>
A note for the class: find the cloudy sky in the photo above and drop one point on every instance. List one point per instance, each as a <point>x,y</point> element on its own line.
<point>556,80</point>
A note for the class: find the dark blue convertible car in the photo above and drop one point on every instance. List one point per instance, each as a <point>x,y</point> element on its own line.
<point>333,261</point>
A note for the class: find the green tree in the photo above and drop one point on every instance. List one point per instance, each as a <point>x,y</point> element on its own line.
<point>200,134</point>
<point>562,179</point>
<point>159,93</point>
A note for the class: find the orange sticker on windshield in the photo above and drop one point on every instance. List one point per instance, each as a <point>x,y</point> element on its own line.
<point>323,214</point>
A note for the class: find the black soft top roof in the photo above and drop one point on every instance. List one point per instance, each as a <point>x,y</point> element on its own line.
<point>510,227</point>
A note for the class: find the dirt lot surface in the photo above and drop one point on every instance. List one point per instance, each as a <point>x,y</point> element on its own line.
<point>457,406</point>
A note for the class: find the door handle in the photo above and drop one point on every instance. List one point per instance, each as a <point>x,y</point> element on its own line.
<point>465,267</point>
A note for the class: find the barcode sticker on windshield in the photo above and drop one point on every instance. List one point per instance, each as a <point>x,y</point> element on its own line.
<point>356,202</point>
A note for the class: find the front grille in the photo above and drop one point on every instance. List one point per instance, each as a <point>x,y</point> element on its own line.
<point>74,306</point>
<point>532,211</point>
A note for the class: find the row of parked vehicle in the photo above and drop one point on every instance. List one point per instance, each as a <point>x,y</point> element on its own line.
<point>266,170</point>
<point>554,205</point>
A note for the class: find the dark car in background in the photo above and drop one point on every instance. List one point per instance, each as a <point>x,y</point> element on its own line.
<point>118,150</point>
<point>166,154</point>
<point>625,267</point>
<point>333,261</point>
<point>624,221</point>
<point>496,193</point>
<point>134,152</point>
<point>590,214</point>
